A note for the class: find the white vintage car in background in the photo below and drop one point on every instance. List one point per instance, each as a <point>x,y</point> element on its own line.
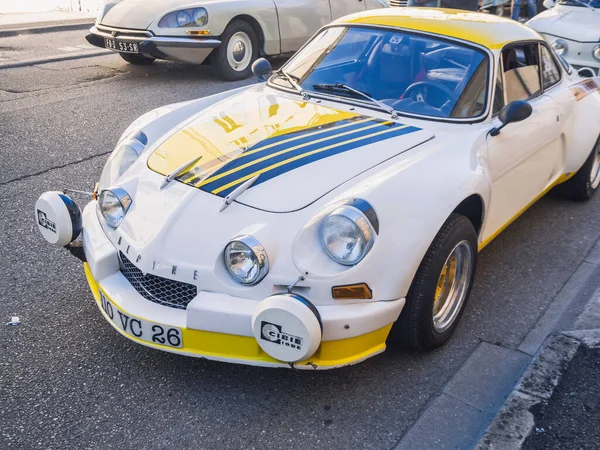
<point>232,34</point>
<point>302,222</point>
<point>573,29</point>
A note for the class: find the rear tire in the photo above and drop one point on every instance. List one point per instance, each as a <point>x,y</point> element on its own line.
<point>440,290</point>
<point>232,60</point>
<point>137,60</point>
<point>584,184</point>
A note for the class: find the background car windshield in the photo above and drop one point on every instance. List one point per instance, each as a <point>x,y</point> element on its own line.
<point>413,73</point>
<point>581,3</point>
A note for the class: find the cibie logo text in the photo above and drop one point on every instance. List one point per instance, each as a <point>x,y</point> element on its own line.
<point>45,222</point>
<point>273,333</point>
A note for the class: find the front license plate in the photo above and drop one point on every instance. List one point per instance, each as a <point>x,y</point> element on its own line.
<point>141,329</point>
<point>120,46</point>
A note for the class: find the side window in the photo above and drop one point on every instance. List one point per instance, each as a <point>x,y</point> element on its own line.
<point>498,92</point>
<point>521,72</point>
<point>550,71</point>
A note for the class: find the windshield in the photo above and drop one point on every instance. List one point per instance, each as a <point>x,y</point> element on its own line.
<point>581,3</point>
<point>411,73</point>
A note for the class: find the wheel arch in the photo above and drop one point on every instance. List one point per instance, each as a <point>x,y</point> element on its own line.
<point>472,208</point>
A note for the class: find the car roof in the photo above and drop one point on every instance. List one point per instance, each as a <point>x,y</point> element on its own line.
<point>488,30</point>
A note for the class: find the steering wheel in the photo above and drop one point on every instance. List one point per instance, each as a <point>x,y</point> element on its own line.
<point>420,86</point>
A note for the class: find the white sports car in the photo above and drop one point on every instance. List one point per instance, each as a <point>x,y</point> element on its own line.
<point>573,29</point>
<point>306,221</point>
<point>228,34</point>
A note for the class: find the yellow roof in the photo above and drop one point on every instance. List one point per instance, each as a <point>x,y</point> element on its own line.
<point>488,30</point>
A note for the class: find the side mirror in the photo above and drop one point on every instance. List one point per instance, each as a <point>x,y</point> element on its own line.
<point>262,69</point>
<point>586,72</point>
<point>513,112</point>
<point>549,4</point>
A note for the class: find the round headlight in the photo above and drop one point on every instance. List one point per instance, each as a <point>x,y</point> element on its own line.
<point>113,204</point>
<point>347,235</point>
<point>200,16</point>
<point>183,18</point>
<point>596,52</point>
<point>560,46</point>
<point>246,260</point>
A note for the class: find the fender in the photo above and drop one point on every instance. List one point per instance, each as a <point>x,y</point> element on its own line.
<point>221,13</point>
<point>410,220</point>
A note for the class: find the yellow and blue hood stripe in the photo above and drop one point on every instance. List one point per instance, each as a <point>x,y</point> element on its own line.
<point>223,168</point>
<point>275,157</point>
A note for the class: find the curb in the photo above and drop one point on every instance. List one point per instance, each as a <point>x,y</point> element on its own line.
<point>37,28</point>
<point>514,422</point>
<point>470,401</point>
<point>57,58</point>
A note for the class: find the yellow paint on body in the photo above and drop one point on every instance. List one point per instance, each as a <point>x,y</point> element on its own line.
<point>560,180</point>
<point>488,30</point>
<point>228,346</point>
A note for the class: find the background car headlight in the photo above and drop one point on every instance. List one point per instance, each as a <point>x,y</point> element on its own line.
<point>596,52</point>
<point>246,260</point>
<point>347,235</point>
<point>113,205</point>
<point>193,17</point>
<point>122,158</point>
<point>560,46</point>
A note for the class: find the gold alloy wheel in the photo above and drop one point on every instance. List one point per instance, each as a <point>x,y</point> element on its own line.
<point>452,286</point>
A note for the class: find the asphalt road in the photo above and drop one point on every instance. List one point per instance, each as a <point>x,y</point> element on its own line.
<point>34,46</point>
<point>68,380</point>
<point>569,419</point>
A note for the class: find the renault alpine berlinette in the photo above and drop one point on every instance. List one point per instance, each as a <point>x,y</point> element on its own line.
<point>306,221</point>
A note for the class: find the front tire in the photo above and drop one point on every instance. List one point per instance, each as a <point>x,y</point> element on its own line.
<point>441,287</point>
<point>137,60</point>
<point>233,59</point>
<point>584,184</point>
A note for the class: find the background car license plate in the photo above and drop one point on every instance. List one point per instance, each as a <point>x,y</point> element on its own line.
<point>142,329</point>
<point>120,46</point>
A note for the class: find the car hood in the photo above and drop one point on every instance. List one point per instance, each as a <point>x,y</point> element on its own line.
<point>299,150</point>
<point>138,14</point>
<point>574,23</point>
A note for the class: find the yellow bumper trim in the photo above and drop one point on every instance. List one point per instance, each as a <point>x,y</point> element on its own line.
<point>244,349</point>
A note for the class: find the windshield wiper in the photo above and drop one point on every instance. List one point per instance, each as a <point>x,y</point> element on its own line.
<point>293,80</point>
<point>338,87</point>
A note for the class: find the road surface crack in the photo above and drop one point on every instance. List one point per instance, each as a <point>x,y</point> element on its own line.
<point>24,177</point>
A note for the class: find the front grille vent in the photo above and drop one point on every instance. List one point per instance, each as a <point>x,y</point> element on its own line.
<point>398,2</point>
<point>125,33</point>
<point>163,291</point>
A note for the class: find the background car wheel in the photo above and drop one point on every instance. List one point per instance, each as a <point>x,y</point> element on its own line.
<point>138,60</point>
<point>233,59</point>
<point>440,289</point>
<point>584,184</point>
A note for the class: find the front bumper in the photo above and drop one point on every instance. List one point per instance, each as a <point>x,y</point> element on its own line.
<point>186,49</point>
<point>218,326</point>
